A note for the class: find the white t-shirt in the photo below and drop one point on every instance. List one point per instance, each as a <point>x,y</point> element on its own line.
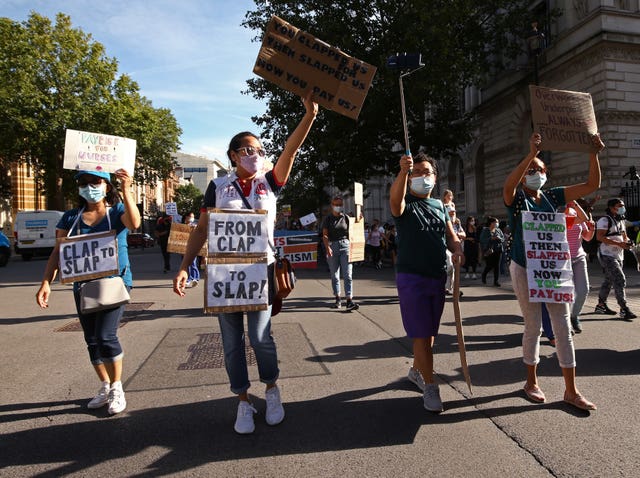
<point>614,233</point>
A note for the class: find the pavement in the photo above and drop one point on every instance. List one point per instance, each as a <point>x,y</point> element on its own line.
<point>350,411</point>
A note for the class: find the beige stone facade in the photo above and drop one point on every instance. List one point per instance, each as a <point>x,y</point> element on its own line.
<point>594,48</point>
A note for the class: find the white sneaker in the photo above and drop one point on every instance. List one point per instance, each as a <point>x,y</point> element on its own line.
<point>416,377</point>
<point>187,284</point>
<point>431,398</point>
<point>102,398</point>
<point>244,419</point>
<point>275,410</point>
<point>117,402</point>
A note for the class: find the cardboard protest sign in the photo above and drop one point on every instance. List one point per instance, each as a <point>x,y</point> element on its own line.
<point>298,62</point>
<point>300,249</point>
<point>238,232</point>
<point>238,286</point>
<point>178,238</point>
<point>356,240</point>
<point>565,119</point>
<point>88,256</point>
<point>549,272</point>
<point>98,152</point>
<point>358,195</point>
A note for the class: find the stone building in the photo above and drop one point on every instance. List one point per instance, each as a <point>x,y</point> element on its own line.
<point>594,47</point>
<point>198,170</point>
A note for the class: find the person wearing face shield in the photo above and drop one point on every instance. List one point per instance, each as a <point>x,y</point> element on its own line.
<point>425,232</point>
<point>99,209</point>
<point>523,192</point>
<point>253,184</point>
<point>612,234</point>
<point>335,236</point>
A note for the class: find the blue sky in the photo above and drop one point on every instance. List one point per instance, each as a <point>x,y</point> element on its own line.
<point>191,56</point>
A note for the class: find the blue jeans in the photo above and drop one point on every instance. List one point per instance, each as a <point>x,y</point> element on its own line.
<point>264,347</point>
<point>339,261</point>
<point>101,332</point>
<point>193,271</point>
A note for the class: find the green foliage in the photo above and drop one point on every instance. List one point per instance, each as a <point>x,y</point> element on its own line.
<point>188,198</point>
<point>54,78</point>
<point>462,43</point>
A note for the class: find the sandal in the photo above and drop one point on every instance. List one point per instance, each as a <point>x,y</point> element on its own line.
<point>535,394</point>
<point>580,402</point>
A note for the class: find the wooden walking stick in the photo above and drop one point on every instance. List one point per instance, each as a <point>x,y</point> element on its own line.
<point>456,313</point>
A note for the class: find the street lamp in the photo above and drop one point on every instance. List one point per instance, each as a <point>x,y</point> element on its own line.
<point>535,45</point>
<point>408,62</point>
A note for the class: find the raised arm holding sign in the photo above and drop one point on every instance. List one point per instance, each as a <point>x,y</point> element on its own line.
<point>93,253</point>
<point>235,281</point>
<point>523,193</point>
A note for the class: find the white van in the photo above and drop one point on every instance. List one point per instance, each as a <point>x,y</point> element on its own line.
<point>35,232</point>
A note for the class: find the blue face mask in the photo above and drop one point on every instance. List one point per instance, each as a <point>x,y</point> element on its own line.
<point>422,185</point>
<point>92,194</point>
<point>621,211</point>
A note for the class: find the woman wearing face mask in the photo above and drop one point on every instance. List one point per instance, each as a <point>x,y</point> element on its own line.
<point>471,247</point>
<point>530,175</point>
<point>99,209</point>
<point>491,242</point>
<point>424,234</point>
<point>612,234</point>
<point>249,187</point>
<point>335,235</point>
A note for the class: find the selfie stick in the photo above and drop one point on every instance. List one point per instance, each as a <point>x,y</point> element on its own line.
<point>411,62</point>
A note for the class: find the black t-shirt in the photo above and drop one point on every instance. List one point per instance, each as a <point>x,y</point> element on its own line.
<point>337,227</point>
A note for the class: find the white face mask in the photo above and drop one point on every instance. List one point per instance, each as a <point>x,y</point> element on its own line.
<point>337,209</point>
<point>535,181</point>
<point>422,185</point>
<point>252,164</point>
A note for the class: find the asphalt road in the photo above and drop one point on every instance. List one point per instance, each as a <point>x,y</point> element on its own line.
<point>350,410</point>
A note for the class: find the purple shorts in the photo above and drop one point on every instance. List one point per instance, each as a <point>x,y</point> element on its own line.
<point>421,303</point>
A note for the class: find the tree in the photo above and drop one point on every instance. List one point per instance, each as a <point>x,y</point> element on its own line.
<point>54,78</point>
<point>188,198</point>
<point>462,42</point>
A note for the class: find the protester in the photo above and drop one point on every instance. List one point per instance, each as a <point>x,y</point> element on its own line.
<point>259,191</point>
<point>471,247</point>
<point>392,247</point>
<point>376,243</point>
<point>491,243</point>
<point>457,228</point>
<point>194,270</point>
<point>335,237</point>
<point>424,233</point>
<point>580,227</point>
<point>613,241</point>
<point>531,174</point>
<point>163,228</point>
<point>99,209</point>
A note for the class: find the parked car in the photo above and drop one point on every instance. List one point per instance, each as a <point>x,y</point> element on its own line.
<point>138,239</point>
<point>5,249</point>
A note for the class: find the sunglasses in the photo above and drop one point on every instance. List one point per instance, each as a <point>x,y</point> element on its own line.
<point>250,151</point>
<point>93,180</point>
<point>532,171</point>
